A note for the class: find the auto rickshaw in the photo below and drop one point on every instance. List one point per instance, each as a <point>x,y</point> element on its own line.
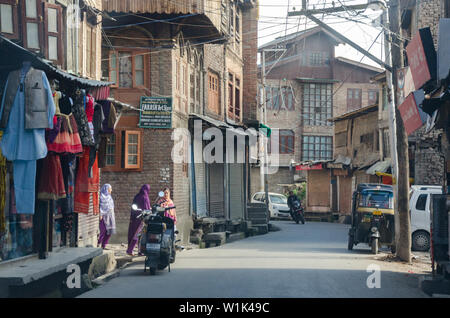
<point>372,217</point>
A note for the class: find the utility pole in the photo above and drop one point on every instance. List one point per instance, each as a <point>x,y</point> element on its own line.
<point>264,167</point>
<point>402,219</point>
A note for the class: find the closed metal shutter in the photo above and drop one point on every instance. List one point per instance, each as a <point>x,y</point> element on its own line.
<point>216,191</point>
<point>200,185</point>
<point>236,191</point>
<point>88,226</point>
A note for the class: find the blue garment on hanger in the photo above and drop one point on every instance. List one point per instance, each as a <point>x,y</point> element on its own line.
<point>23,144</point>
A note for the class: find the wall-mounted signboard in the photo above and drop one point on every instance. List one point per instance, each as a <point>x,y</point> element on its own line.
<point>156,112</point>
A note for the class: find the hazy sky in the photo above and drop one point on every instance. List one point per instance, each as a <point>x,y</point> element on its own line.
<point>273,23</point>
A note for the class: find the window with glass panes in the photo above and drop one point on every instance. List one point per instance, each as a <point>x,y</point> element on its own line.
<point>127,68</point>
<point>9,19</point>
<point>111,151</point>
<point>317,104</point>
<point>317,148</point>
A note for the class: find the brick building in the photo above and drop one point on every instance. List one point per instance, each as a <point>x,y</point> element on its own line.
<point>192,55</point>
<point>306,87</point>
<point>428,148</point>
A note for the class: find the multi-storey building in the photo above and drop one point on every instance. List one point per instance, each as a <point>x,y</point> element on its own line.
<point>195,55</point>
<point>307,85</point>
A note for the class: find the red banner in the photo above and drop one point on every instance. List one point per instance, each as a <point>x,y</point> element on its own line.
<point>420,62</point>
<point>306,167</point>
<point>410,114</point>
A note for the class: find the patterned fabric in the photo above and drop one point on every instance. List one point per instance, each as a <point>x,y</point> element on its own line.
<point>81,120</point>
<point>85,187</point>
<point>51,185</point>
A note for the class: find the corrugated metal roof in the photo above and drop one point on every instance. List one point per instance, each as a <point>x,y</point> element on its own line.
<point>381,166</point>
<point>12,53</point>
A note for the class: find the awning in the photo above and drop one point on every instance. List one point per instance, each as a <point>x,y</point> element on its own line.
<point>12,55</point>
<point>380,166</point>
<point>212,121</point>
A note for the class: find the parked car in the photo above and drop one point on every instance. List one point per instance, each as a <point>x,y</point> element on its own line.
<point>278,207</point>
<point>419,207</point>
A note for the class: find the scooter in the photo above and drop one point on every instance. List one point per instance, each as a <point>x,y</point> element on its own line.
<point>297,212</point>
<point>157,242</point>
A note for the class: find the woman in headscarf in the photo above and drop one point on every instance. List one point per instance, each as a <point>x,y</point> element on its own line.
<point>107,218</point>
<point>166,202</point>
<point>142,200</point>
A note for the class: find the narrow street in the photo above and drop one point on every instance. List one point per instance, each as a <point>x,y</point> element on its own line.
<point>299,261</point>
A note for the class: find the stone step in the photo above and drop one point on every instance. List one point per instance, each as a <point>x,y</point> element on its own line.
<point>235,237</point>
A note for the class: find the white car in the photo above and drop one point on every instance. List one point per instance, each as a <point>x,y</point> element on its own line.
<point>278,206</point>
<point>419,206</point>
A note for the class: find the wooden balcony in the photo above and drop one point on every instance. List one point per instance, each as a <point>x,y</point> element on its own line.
<point>196,12</point>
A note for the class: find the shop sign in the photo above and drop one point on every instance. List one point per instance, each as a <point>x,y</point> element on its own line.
<point>155,112</point>
<point>413,117</point>
<point>422,57</point>
<point>317,166</point>
<point>444,49</point>
<point>405,83</point>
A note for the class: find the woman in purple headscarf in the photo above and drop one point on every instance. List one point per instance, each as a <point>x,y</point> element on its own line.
<point>107,218</point>
<point>142,200</point>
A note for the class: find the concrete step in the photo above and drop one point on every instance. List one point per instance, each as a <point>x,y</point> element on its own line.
<point>235,237</point>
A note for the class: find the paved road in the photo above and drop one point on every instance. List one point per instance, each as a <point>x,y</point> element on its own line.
<point>309,260</point>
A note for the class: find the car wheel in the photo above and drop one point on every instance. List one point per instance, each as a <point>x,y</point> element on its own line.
<point>421,241</point>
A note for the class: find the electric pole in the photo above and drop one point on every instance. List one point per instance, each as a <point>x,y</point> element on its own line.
<point>402,219</point>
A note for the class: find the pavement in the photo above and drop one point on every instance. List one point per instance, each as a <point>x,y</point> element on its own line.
<point>300,261</point>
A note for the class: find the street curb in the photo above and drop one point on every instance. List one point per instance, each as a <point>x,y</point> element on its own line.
<point>105,278</point>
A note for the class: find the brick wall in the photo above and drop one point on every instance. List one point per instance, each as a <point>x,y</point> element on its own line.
<point>157,171</point>
<point>249,49</point>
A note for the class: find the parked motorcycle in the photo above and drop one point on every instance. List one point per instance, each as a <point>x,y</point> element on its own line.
<point>157,241</point>
<point>297,212</point>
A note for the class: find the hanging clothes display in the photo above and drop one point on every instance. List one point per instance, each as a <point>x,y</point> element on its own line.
<point>79,113</point>
<point>86,187</point>
<point>51,183</point>
<point>107,130</point>
<point>67,139</point>
<point>27,110</point>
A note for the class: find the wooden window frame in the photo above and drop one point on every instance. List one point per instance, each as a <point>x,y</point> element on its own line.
<point>121,151</point>
<point>133,54</point>
<point>353,103</point>
<point>58,35</point>
<point>377,96</point>
<point>284,148</point>
<point>111,141</point>
<point>126,134</point>
<point>91,66</point>
<point>39,20</point>
<point>214,93</point>
<point>237,99</point>
<point>15,19</point>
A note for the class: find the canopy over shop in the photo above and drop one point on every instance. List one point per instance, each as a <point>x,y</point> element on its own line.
<point>49,173</point>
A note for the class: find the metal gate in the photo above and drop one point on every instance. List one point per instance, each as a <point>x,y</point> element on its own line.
<point>216,190</point>
<point>236,187</point>
<point>200,186</point>
<point>88,226</point>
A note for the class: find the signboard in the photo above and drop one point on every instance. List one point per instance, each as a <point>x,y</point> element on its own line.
<point>413,117</point>
<point>317,166</point>
<point>405,83</point>
<point>156,112</point>
<point>422,57</point>
<point>444,49</point>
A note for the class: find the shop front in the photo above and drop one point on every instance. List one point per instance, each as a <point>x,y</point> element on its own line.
<point>54,131</point>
